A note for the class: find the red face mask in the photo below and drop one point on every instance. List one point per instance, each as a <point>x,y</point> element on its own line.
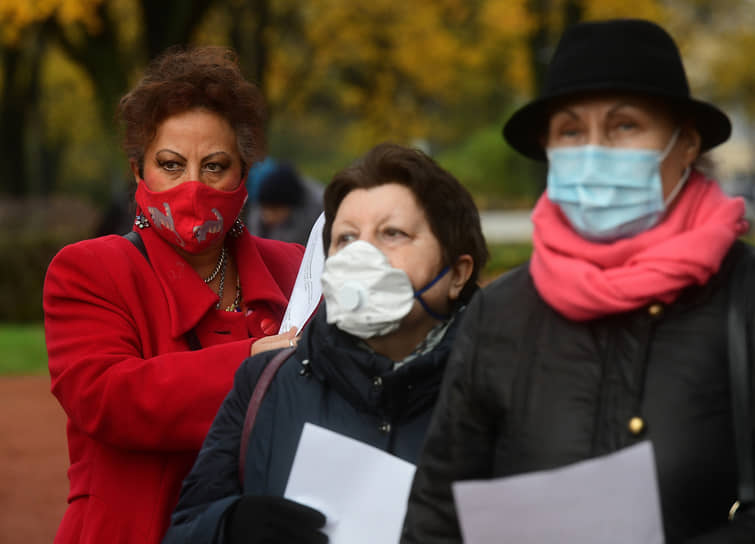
<point>191,215</point>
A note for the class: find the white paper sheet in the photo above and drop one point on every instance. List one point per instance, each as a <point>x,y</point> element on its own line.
<point>307,290</point>
<point>611,499</point>
<point>361,490</point>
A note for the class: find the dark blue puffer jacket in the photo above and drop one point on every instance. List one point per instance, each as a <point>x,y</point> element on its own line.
<point>330,381</point>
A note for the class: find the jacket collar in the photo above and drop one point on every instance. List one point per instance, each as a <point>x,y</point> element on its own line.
<point>369,380</point>
<point>189,298</point>
<point>258,281</point>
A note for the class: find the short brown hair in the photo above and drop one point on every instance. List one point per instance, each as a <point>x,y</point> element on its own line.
<point>183,79</point>
<point>448,206</point>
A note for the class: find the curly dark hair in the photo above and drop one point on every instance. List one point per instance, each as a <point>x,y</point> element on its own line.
<point>182,79</point>
<point>448,206</point>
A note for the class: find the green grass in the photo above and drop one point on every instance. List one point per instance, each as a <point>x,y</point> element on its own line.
<point>504,257</point>
<point>22,349</point>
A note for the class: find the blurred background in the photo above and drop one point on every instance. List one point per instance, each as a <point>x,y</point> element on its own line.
<point>339,77</point>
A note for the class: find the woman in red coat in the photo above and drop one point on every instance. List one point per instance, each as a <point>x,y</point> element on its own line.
<point>144,334</point>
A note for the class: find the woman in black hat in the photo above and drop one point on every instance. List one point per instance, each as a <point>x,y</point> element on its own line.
<point>619,332</point>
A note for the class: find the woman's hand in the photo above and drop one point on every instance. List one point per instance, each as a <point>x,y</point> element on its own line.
<point>272,520</point>
<point>277,341</point>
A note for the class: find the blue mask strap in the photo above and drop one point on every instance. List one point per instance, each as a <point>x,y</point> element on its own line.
<point>418,296</point>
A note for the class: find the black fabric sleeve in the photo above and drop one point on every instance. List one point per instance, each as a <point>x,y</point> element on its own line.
<point>739,531</point>
<point>742,529</point>
<point>459,443</point>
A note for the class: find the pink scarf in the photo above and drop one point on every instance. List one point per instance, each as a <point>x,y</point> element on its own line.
<point>584,280</point>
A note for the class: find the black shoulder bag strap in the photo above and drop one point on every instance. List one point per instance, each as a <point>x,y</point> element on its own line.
<point>741,381</point>
<point>260,388</point>
<point>136,239</point>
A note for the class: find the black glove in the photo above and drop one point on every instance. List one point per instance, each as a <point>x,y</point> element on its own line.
<point>258,519</point>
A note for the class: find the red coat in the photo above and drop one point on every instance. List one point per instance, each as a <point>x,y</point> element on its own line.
<point>139,403</point>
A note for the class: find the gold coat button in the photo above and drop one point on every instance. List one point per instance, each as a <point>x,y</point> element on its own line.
<point>655,309</point>
<point>636,425</point>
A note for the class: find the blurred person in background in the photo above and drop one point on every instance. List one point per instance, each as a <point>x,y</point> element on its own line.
<point>145,333</point>
<point>118,217</point>
<point>405,249</point>
<point>286,205</point>
<point>615,332</point>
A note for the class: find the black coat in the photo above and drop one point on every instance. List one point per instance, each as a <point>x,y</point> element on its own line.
<point>527,389</point>
<point>337,389</point>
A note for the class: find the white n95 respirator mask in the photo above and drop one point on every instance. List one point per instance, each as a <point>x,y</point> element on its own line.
<point>366,296</point>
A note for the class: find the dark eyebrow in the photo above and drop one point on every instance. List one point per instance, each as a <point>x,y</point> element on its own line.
<point>565,110</point>
<point>619,106</point>
<point>345,223</point>
<point>170,151</point>
<point>211,155</point>
<point>613,109</point>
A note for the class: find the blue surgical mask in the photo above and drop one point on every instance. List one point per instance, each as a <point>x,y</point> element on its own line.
<point>610,193</point>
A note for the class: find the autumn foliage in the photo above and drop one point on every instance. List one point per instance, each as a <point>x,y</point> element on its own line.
<point>340,75</point>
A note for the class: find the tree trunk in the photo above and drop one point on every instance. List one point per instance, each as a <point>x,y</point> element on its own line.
<point>18,106</point>
<point>12,129</point>
<point>542,45</point>
<point>171,22</point>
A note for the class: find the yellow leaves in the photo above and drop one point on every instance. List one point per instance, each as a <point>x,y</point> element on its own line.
<point>67,90</point>
<point>396,65</point>
<point>732,69</point>
<point>431,59</point>
<point>506,28</point>
<point>17,15</point>
<point>519,70</point>
<point>643,9</point>
<point>508,19</point>
<point>68,104</point>
<point>399,69</point>
<point>722,53</point>
<point>24,12</point>
<point>80,11</point>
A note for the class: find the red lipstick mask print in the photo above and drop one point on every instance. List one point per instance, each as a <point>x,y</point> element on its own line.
<point>191,215</point>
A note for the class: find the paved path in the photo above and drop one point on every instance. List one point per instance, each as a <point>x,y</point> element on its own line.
<point>506,226</point>
<point>33,461</point>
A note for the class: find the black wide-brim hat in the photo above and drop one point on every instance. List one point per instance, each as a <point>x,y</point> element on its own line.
<point>623,55</point>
